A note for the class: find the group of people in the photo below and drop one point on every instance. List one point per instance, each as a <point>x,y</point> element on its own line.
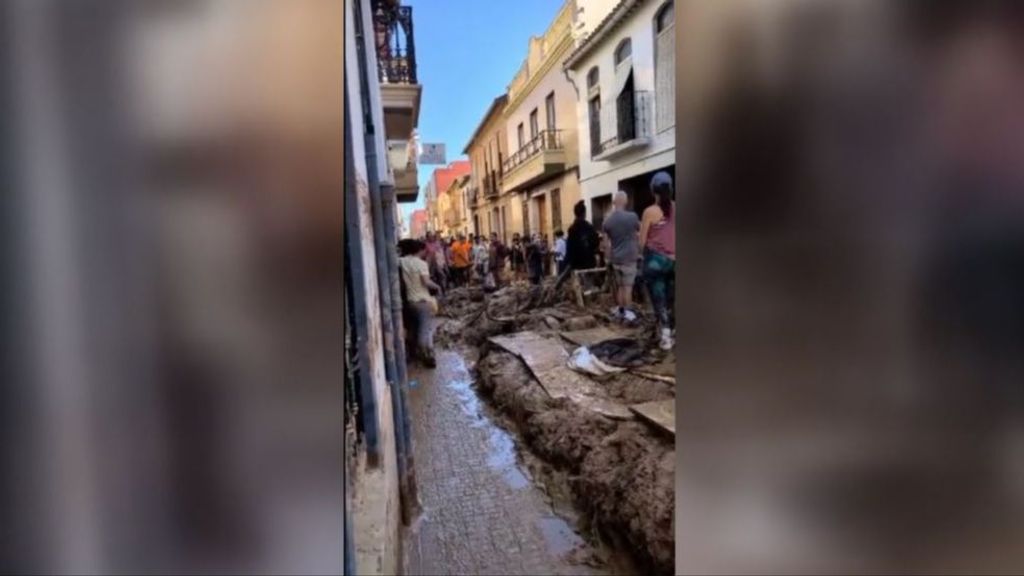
<point>646,244</point>
<point>632,245</point>
<point>462,260</point>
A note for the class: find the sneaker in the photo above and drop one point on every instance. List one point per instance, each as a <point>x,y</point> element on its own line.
<point>615,312</point>
<point>667,342</point>
<point>628,315</point>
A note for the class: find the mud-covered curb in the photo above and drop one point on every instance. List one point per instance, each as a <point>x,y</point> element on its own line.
<point>621,473</point>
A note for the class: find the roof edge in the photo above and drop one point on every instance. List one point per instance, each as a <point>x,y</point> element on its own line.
<point>499,101</point>
<point>600,33</point>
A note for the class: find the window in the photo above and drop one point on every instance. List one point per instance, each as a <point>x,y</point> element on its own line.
<point>665,67</point>
<point>556,209</point>
<point>549,110</point>
<point>595,125</point>
<point>519,133</point>
<point>534,129</point>
<point>624,51</point>
<point>626,111</point>
<point>593,77</point>
<point>665,18</point>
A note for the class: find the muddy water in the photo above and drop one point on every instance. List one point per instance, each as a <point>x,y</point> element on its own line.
<point>484,511</point>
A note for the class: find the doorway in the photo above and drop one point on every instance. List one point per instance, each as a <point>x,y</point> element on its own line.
<point>638,188</point>
<point>542,203</point>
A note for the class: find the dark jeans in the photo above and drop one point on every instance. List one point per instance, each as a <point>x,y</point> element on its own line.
<point>459,276</point>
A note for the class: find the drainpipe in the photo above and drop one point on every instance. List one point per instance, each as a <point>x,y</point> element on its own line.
<point>385,270</point>
<point>410,504</point>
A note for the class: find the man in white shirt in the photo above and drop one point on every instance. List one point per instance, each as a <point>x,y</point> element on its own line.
<point>560,261</point>
<point>420,302</point>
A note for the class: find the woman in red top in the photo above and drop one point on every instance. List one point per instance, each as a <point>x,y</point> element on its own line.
<point>658,241</point>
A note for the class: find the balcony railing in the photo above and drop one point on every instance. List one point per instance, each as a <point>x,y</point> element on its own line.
<point>545,140</point>
<point>396,48</point>
<point>631,120</point>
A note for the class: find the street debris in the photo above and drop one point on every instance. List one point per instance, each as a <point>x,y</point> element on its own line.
<point>624,352</point>
<point>662,414</point>
<point>583,361</point>
<point>591,398</point>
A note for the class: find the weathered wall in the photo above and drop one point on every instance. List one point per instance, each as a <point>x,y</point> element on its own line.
<point>376,494</point>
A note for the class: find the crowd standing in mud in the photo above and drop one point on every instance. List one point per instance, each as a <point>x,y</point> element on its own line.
<point>629,247</point>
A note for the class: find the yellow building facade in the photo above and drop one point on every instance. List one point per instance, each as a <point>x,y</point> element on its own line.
<point>541,177</point>
<point>487,150</point>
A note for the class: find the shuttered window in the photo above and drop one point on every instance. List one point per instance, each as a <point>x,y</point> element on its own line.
<point>665,67</point>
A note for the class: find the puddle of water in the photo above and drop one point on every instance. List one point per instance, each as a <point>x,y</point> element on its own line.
<point>558,535</point>
<point>460,383</point>
<point>503,457</point>
<point>503,450</point>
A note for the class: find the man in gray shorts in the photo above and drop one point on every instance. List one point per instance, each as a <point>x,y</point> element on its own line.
<point>622,229</point>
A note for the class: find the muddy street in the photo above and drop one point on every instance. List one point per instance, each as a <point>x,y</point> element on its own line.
<point>526,465</point>
<point>483,510</point>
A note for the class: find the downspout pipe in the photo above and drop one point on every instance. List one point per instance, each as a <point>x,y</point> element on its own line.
<point>385,271</point>
<point>411,504</point>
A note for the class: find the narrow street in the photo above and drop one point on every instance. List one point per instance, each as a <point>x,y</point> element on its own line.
<point>482,511</point>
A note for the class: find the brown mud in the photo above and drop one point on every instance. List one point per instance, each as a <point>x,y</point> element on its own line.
<point>619,474</point>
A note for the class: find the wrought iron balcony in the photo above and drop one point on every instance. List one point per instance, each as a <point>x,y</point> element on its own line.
<point>492,184</point>
<point>396,47</point>
<point>631,118</point>
<point>546,140</point>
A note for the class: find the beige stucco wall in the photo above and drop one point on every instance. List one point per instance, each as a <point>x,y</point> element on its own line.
<point>569,191</point>
<point>541,75</point>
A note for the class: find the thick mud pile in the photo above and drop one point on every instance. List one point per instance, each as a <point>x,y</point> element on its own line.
<point>619,473</point>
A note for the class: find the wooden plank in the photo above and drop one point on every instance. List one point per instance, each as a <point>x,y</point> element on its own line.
<point>652,376</point>
<point>546,358</point>
<point>661,414</point>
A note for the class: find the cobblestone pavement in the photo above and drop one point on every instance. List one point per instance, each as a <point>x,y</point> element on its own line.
<point>482,514</point>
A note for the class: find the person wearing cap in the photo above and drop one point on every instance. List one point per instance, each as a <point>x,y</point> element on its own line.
<point>658,242</point>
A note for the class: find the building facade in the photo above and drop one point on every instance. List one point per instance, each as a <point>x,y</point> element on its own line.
<point>541,184</point>
<point>454,210</point>
<point>418,223</point>
<point>437,200</point>
<point>487,149</point>
<point>624,70</point>
<point>381,106</point>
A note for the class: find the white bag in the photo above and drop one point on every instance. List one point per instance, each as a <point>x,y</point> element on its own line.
<point>583,361</point>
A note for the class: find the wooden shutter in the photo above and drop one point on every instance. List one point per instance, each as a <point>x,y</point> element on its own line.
<point>665,79</point>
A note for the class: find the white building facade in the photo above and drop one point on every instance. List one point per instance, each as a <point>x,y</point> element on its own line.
<point>624,71</point>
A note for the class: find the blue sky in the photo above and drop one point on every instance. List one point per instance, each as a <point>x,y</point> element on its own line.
<point>467,52</point>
